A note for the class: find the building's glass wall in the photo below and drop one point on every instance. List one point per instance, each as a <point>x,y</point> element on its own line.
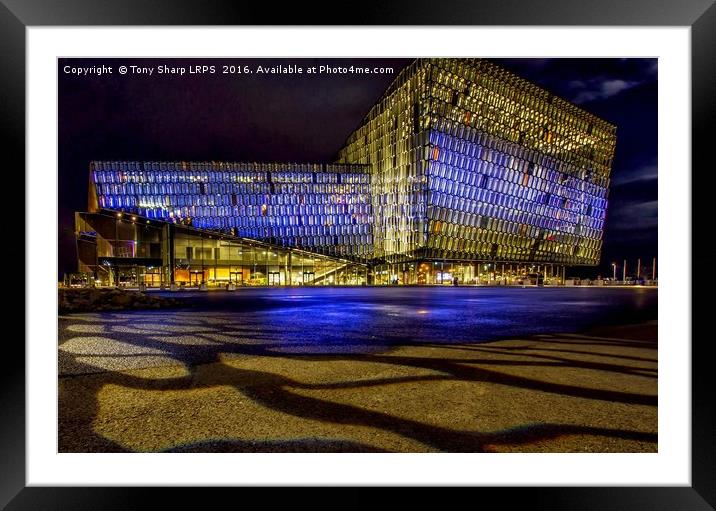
<point>494,204</point>
<point>458,160</point>
<point>118,249</point>
<point>326,208</point>
<point>452,273</point>
<point>503,170</point>
<point>111,248</point>
<point>388,141</point>
<point>219,260</point>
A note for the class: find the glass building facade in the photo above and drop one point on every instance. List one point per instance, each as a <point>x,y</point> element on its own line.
<point>322,207</point>
<point>471,162</point>
<point>121,249</point>
<point>461,171</point>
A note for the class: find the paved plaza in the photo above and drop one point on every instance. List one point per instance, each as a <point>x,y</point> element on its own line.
<point>365,370</point>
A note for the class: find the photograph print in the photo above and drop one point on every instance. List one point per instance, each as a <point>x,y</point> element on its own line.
<point>357,255</point>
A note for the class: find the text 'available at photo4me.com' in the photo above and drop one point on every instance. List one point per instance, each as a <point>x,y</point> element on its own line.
<point>224,69</point>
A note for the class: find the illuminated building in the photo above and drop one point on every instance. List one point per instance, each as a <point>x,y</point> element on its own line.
<point>217,222</point>
<point>461,170</point>
<point>474,164</point>
<point>326,208</point>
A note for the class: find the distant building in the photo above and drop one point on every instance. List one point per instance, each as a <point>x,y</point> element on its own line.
<point>461,170</point>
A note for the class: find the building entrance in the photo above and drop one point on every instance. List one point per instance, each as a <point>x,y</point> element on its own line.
<point>195,278</point>
<point>274,278</point>
<point>152,277</point>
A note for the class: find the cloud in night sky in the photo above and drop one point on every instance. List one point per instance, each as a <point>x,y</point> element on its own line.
<point>605,86</point>
<point>599,89</point>
<point>633,216</point>
<point>643,173</point>
<point>586,80</point>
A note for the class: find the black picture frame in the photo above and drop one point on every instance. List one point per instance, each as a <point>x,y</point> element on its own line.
<point>700,15</point>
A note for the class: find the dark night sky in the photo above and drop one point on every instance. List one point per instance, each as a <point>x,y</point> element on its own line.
<point>308,117</point>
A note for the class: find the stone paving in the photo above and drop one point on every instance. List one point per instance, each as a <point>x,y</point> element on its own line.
<point>232,381</point>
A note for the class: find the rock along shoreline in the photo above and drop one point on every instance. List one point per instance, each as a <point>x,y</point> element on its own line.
<point>96,300</point>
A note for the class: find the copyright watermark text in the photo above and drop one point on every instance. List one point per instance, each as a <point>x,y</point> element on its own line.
<point>223,69</point>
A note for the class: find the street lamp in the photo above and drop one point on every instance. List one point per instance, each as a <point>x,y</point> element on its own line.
<point>614,267</point>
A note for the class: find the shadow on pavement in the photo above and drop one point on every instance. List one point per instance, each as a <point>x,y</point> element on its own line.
<point>104,349</point>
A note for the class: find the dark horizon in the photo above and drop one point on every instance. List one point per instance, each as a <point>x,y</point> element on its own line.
<point>305,118</point>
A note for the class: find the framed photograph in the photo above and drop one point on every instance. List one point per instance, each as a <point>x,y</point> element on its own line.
<point>318,254</point>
